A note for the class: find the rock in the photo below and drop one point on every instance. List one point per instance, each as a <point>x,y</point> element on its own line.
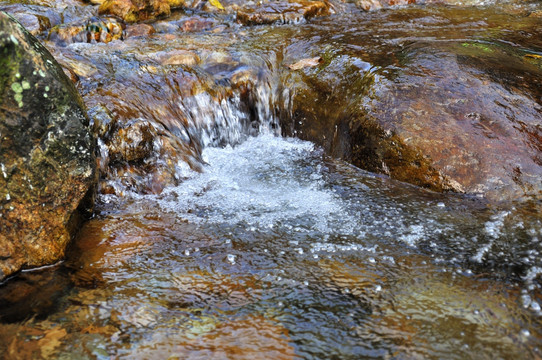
<point>477,125</point>
<point>283,12</point>
<point>252,338</point>
<point>132,11</point>
<point>205,337</point>
<point>369,5</point>
<point>344,130</point>
<point>139,30</point>
<point>132,142</point>
<point>38,16</point>
<point>419,301</point>
<point>197,23</point>
<point>177,57</point>
<point>33,21</point>
<point>47,160</point>
<point>466,129</point>
<point>93,31</point>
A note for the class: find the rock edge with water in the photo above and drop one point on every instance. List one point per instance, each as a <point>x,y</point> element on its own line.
<point>47,154</point>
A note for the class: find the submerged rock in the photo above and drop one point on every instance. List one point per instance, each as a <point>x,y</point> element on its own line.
<point>47,158</point>
<point>139,10</point>
<point>284,12</point>
<point>36,20</point>
<point>93,31</point>
<point>461,116</point>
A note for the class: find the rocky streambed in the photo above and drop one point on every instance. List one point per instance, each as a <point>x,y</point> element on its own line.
<point>303,179</point>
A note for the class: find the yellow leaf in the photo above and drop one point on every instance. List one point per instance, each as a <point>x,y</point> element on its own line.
<point>533,56</point>
<point>216,4</point>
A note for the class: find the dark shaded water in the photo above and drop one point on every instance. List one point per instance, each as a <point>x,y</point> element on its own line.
<point>274,249</point>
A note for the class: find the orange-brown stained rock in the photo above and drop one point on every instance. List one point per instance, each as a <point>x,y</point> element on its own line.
<point>47,161</point>
<point>197,23</point>
<point>132,11</point>
<point>281,12</point>
<point>368,5</point>
<point>457,120</point>
<point>138,30</point>
<point>252,338</point>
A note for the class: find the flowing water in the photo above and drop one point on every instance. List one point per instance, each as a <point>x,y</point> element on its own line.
<point>216,237</point>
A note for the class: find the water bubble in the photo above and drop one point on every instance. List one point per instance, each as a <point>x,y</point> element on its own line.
<point>525,300</point>
<point>525,332</point>
<point>315,256</point>
<point>187,252</point>
<point>372,260</point>
<point>378,288</point>
<point>231,258</point>
<point>441,204</point>
<point>535,306</point>
<point>306,283</point>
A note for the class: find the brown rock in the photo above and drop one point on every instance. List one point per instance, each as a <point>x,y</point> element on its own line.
<point>93,31</point>
<point>472,128</point>
<point>132,142</point>
<point>197,23</point>
<point>252,338</point>
<point>139,30</point>
<point>47,161</point>
<point>177,57</point>
<point>369,5</point>
<point>35,19</point>
<point>139,10</point>
<point>281,12</point>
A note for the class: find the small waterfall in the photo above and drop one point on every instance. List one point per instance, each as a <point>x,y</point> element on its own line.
<point>156,149</point>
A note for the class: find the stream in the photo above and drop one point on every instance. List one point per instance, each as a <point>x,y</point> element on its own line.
<point>230,227</point>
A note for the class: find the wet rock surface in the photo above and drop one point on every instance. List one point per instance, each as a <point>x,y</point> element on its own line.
<point>132,11</point>
<point>215,237</point>
<point>93,31</point>
<point>46,153</point>
<point>281,12</point>
<point>448,118</point>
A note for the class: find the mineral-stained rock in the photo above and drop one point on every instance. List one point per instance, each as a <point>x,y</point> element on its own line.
<point>473,128</point>
<point>93,31</point>
<point>139,10</point>
<point>47,160</point>
<point>33,20</point>
<point>368,5</point>
<point>139,30</point>
<point>281,12</point>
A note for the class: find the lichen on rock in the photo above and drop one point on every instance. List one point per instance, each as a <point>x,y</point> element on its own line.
<point>47,153</point>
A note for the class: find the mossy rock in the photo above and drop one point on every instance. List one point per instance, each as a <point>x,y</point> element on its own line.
<point>47,154</point>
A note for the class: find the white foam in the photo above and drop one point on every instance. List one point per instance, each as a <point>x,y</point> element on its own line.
<point>264,183</point>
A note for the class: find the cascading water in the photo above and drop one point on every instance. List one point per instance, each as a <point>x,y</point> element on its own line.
<point>216,237</point>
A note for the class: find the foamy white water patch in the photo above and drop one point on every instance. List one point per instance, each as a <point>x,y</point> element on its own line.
<point>264,183</point>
